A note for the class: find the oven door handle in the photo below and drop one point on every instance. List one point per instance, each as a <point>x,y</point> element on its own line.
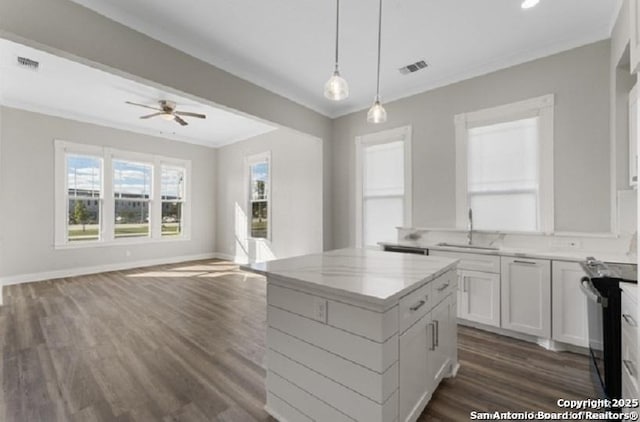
<point>591,292</point>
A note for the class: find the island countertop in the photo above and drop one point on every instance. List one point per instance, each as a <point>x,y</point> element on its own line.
<point>365,274</point>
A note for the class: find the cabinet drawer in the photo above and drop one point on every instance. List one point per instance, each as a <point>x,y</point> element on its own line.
<point>415,305</point>
<point>443,285</point>
<point>629,385</point>
<point>472,261</point>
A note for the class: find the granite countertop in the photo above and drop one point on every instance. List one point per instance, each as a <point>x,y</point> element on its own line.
<point>562,255</point>
<point>366,274</point>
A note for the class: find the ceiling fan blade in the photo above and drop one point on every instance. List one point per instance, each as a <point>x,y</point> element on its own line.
<point>180,120</point>
<point>142,105</point>
<point>152,115</point>
<point>189,114</point>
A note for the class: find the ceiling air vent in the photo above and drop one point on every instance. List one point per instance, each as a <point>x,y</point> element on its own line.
<point>413,67</point>
<point>28,63</point>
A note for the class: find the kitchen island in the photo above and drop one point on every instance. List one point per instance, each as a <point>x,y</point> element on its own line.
<point>358,334</point>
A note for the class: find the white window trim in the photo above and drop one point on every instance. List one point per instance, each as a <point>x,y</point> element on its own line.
<point>249,161</point>
<point>387,136</point>
<point>541,107</point>
<point>107,155</point>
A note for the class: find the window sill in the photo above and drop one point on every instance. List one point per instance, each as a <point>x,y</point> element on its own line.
<point>120,242</point>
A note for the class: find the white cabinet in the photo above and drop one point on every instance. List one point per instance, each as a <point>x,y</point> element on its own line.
<point>634,32</point>
<point>478,286</point>
<point>526,296</point>
<point>569,304</point>
<point>415,375</point>
<point>479,297</point>
<point>427,355</point>
<point>633,136</point>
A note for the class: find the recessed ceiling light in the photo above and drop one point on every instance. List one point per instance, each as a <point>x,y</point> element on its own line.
<point>528,4</point>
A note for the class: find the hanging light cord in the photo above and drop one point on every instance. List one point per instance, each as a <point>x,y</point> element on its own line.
<point>379,42</point>
<point>337,30</point>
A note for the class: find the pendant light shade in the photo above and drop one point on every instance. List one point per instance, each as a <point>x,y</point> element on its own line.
<point>336,88</point>
<point>377,113</point>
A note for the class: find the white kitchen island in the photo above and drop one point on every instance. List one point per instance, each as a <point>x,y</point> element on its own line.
<point>358,334</point>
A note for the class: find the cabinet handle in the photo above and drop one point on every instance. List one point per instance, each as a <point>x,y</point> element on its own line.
<point>417,306</point>
<point>519,261</point>
<point>629,365</point>
<point>433,336</point>
<point>436,324</point>
<point>464,284</point>
<point>629,319</point>
<point>444,286</point>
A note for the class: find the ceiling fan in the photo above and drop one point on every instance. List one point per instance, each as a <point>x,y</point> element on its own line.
<point>168,111</point>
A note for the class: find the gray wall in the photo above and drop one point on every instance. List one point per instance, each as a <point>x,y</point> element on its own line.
<point>296,196</point>
<point>27,195</point>
<point>55,25</point>
<point>580,81</point>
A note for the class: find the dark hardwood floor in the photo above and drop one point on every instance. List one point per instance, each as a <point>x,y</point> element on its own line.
<point>186,343</point>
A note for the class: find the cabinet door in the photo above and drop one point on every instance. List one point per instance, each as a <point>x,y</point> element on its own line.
<point>440,356</point>
<point>415,377</point>
<point>479,297</point>
<point>569,304</point>
<point>634,32</point>
<point>526,296</point>
<point>633,136</point>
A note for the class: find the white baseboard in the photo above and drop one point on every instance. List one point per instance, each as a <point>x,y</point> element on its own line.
<point>232,258</point>
<point>73,272</point>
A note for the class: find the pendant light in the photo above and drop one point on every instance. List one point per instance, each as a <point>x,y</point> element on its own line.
<point>377,113</point>
<point>336,88</point>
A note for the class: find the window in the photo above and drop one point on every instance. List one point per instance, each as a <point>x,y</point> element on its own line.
<point>505,167</point>
<point>383,163</point>
<point>84,184</point>
<point>259,196</point>
<point>132,198</point>
<point>108,196</point>
<point>173,181</point>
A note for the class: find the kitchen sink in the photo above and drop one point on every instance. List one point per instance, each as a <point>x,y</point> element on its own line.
<point>465,246</point>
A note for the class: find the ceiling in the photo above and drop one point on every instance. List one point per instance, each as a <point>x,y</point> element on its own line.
<point>287,46</point>
<point>68,89</point>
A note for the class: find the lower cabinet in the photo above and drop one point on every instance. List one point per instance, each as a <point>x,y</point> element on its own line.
<point>526,296</point>
<point>569,304</point>
<point>479,297</point>
<point>427,352</point>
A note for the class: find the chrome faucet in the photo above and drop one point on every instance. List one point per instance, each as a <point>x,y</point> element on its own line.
<point>470,228</point>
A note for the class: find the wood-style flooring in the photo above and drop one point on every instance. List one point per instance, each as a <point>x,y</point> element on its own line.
<point>186,343</point>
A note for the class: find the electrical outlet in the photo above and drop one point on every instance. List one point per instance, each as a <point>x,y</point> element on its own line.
<point>320,310</point>
<point>574,244</point>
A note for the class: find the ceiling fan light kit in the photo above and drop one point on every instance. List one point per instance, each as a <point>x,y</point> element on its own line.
<point>336,88</point>
<point>167,111</point>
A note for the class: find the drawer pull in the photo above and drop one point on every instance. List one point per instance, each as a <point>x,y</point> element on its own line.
<point>629,319</point>
<point>519,261</point>
<point>417,306</point>
<point>630,367</point>
<point>437,330</point>
<point>433,336</point>
<point>444,286</point>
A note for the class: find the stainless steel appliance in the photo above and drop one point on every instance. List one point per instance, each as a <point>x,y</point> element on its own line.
<point>601,287</point>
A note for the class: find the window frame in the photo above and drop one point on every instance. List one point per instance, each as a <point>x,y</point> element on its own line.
<point>388,136</point>
<point>251,160</point>
<point>541,107</point>
<point>107,219</point>
<point>185,196</point>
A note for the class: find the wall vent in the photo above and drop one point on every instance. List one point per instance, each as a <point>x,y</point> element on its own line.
<point>413,67</point>
<point>28,63</point>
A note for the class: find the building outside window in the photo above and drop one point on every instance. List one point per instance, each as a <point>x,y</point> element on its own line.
<point>259,196</point>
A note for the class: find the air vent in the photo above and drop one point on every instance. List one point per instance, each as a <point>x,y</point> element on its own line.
<point>413,67</point>
<point>28,63</point>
